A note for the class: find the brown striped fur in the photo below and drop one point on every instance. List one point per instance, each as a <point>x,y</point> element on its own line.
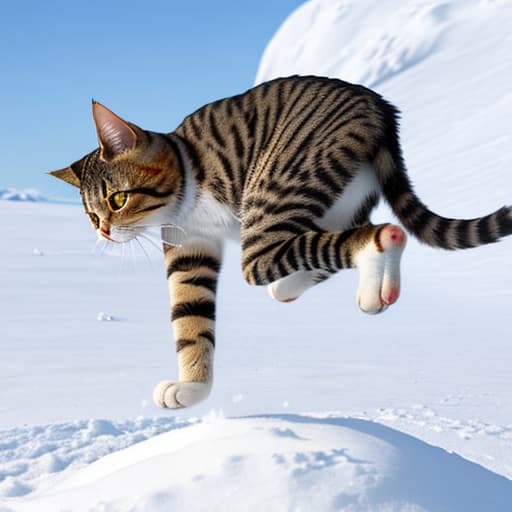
<point>270,162</point>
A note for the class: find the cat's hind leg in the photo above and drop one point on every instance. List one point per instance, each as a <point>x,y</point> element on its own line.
<point>374,250</point>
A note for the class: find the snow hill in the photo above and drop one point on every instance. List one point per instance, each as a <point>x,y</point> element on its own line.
<point>28,194</point>
<point>315,405</point>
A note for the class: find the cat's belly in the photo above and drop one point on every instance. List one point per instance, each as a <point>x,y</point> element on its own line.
<point>212,219</point>
<point>340,215</point>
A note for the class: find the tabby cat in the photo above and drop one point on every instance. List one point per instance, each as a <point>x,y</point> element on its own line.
<point>292,168</point>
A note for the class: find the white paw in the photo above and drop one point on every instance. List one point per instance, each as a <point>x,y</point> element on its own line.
<point>291,287</point>
<point>379,270</point>
<point>173,395</point>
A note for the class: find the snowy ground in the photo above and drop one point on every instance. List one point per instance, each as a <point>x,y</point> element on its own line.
<point>436,366</point>
<point>277,463</point>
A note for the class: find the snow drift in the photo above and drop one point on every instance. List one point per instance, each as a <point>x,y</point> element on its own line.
<point>279,463</point>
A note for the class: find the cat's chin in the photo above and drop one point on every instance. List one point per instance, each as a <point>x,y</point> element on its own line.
<point>118,236</point>
<point>170,394</point>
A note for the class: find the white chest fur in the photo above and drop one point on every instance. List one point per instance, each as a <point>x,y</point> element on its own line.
<point>347,204</point>
<point>211,219</point>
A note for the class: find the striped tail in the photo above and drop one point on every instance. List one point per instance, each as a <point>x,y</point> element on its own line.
<point>425,225</point>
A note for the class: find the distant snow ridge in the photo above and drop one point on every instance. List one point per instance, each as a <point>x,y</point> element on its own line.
<point>367,41</point>
<point>27,194</point>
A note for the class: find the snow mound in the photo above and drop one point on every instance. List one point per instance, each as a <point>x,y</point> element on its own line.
<point>29,455</point>
<point>368,42</point>
<point>28,194</point>
<point>324,37</point>
<point>286,462</point>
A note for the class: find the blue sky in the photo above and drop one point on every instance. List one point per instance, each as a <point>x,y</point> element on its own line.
<point>152,62</point>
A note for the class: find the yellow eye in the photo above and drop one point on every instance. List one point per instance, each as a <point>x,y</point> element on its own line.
<point>116,201</point>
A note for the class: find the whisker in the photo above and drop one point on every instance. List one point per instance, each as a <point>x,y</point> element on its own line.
<point>152,236</point>
<point>121,262</point>
<point>156,239</point>
<point>103,247</point>
<point>152,242</point>
<point>133,255</point>
<point>95,247</point>
<point>144,251</point>
<point>170,234</point>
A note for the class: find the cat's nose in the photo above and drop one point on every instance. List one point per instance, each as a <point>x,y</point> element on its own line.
<point>105,231</point>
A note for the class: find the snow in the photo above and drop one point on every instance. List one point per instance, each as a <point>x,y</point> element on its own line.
<point>301,463</point>
<point>28,194</point>
<point>36,451</point>
<point>316,406</point>
<point>402,34</point>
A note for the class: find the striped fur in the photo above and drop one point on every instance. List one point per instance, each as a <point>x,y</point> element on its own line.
<point>192,277</point>
<point>283,165</point>
<point>283,151</point>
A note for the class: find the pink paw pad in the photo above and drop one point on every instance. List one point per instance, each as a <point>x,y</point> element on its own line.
<point>391,237</point>
<point>379,269</point>
<point>391,295</point>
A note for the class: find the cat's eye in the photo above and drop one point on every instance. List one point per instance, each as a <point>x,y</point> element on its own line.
<point>117,201</point>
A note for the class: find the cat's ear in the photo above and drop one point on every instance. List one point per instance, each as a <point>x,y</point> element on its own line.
<point>115,135</point>
<point>71,175</point>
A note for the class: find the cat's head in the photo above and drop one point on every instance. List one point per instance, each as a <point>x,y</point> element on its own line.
<point>134,178</point>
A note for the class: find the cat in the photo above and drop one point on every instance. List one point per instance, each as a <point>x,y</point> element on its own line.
<point>292,168</point>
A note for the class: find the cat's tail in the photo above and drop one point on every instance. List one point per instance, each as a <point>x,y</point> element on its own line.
<point>427,226</point>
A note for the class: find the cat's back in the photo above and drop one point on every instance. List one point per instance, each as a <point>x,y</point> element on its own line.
<point>233,139</point>
<point>277,99</point>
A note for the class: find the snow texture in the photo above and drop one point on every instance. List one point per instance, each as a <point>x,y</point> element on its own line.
<point>315,405</point>
<point>282,462</point>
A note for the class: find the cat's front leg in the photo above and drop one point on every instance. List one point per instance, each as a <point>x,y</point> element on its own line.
<point>192,273</point>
